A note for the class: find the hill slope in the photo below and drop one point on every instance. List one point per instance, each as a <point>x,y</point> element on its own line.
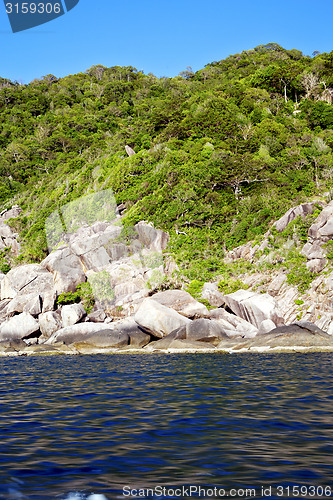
<point>220,153</point>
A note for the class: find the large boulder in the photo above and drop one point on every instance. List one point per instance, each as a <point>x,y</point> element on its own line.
<point>97,316</point>
<point>19,327</point>
<point>13,212</point>
<point>182,302</point>
<point>322,228</point>
<point>254,307</point>
<point>49,323</point>
<point>149,237</point>
<point>28,279</point>
<point>66,268</point>
<point>137,337</point>
<point>211,293</point>
<point>105,339</point>
<point>303,335</point>
<point>313,250</point>
<point>31,288</point>
<point>201,330</point>
<point>76,333</point>
<point>300,210</point>
<point>205,330</point>
<point>157,319</point>
<point>81,332</point>
<point>72,314</point>
<point>191,345</point>
<point>30,303</point>
<point>232,324</point>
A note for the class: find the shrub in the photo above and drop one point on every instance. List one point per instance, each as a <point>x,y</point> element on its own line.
<point>83,294</point>
<point>229,286</point>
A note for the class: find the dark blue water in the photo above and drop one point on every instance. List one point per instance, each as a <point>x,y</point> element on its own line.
<point>81,426</point>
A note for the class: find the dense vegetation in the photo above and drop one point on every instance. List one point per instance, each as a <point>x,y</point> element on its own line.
<point>220,153</point>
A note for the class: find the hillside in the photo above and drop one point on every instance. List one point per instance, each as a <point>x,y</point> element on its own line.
<point>219,154</point>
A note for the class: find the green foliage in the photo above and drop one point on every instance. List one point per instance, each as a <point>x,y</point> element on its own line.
<point>231,285</point>
<point>101,287</point>
<point>195,288</point>
<point>299,302</point>
<point>329,249</point>
<point>298,274</point>
<point>4,267</point>
<point>83,293</point>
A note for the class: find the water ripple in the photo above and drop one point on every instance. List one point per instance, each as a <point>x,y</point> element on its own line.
<point>82,428</point>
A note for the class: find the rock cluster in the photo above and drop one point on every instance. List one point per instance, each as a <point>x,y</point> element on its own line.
<point>125,273</point>
<point>315,305</point>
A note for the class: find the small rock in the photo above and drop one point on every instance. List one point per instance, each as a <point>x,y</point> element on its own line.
<point>97,316</point>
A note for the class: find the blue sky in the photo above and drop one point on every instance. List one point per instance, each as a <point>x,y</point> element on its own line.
<point>159,36</point>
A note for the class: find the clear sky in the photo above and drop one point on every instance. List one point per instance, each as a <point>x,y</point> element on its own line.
<point>159,36</point>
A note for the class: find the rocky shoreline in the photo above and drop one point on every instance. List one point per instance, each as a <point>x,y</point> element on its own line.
<point>125,271</point>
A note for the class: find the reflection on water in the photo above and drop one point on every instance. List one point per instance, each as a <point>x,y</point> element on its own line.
<point>74,427</point>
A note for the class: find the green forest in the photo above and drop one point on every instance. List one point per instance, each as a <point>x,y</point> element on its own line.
<point>219,153</point>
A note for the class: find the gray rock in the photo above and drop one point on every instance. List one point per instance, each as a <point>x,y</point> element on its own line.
<point>49,301</point>
<point>95,260</point>
<point>99,227</point>
<point>97,316</point>
<point>5,231</point>
<point>149,237</point>
<point>205,330</point>
<point>316,265</point>
<point>137,338</point>
<point>14,212</point>
<point>266,326</point>
<point>232,324</point>
<point>24,280</point>
<point>211,293</point>
<point>300,210</point>
<point>275,286</point>
<point>104,339</point>
<point>165,342</point>
<point>34,306</point>
<point>322,228</point>
<point>313,250</point>
<point>158,319</point>
<point>191,344</point>
<point>72,314</point>
<point>200,330</point>
<point>19,327</point>
<point>3,309</point>
<point>116,251</point>
<point>66,269</point>
<point>301,335</point>
<point>254,307</point>
<point>129,150</point>
<point>75,333</point>
<point>49,323</point>
<point>16,344</point>
<point>182,302</point>
<point>82,244</point>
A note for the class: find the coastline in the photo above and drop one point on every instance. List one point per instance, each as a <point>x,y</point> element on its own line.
<point>253,350</point>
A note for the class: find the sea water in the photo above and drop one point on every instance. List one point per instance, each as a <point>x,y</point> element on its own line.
<point>115,426</point>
